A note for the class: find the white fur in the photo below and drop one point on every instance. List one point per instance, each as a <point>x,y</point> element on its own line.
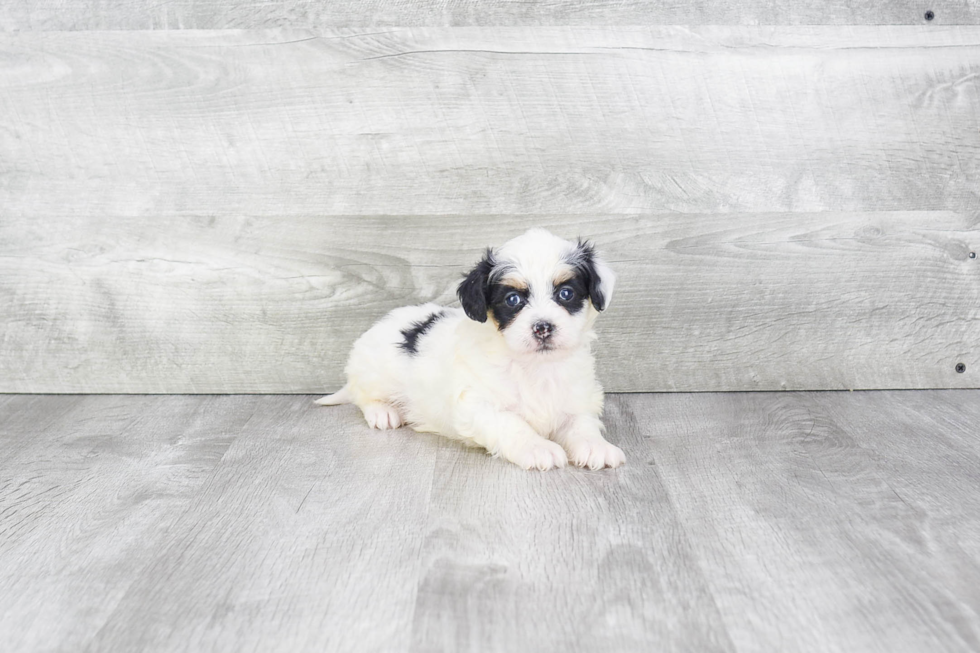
<point>489,388</point>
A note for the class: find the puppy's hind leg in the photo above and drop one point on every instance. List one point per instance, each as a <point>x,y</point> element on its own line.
<point>381,415</point>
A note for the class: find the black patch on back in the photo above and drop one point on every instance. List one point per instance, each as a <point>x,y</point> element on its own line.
<point>583,260</point>
<point>416,331</point>
<point>503,314</point>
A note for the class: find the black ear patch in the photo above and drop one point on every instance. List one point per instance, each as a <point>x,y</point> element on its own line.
<point>584,263</point>
<point>474,291</point>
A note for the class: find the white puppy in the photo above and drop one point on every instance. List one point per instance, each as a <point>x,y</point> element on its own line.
<point>512,371</point>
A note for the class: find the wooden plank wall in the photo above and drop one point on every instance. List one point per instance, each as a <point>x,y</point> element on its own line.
<point>251,14</point>
<point>790,195</point>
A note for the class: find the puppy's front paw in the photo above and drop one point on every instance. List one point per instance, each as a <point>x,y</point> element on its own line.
<point>382,416</point>
<point>539,454</point>
<point>595,454</point>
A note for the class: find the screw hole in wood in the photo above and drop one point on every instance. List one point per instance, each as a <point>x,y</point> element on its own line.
<point>930,15</point>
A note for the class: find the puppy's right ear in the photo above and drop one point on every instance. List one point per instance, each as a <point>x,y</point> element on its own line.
<point>475,288</point>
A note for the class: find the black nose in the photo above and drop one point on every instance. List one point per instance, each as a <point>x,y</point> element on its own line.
<point>542,330</point>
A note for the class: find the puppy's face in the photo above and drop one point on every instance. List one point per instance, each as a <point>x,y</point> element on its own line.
<point>541,292</point>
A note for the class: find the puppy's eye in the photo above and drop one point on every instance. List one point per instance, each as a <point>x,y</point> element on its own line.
<point>566,294</point>
<point>512,299</point>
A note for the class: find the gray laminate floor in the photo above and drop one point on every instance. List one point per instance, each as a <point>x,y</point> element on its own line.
<point>749,522</point>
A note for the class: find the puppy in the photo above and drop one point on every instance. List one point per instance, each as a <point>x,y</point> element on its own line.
<point>511,371</point>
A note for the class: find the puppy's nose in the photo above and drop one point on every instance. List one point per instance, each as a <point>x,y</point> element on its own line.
<point>542,330</point>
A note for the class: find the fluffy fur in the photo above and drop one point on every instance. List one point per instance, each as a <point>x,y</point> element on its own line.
<point>511,371</point>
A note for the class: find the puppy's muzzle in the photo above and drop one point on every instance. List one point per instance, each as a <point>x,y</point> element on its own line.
<point>542,330</point>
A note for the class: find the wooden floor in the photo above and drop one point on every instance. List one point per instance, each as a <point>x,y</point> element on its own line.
<point>748,522</point>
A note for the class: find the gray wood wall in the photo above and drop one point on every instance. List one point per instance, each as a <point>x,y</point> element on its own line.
<point>790,194</point>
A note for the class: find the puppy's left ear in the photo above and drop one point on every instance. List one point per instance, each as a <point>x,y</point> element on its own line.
<point>600,278</point>
<point>473,291</point>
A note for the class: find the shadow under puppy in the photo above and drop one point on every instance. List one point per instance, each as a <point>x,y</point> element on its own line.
<point>511,371</point>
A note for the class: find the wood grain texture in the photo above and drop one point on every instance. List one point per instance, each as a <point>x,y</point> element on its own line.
<point>741,522</point>
<point>789,207</point>
<point>576,561</point>
<point>306,537</point>
<point>703,302</point>
<point>857,510</point>
<point>464,121</point>
<point>16,15</point>
<point>88,500</point>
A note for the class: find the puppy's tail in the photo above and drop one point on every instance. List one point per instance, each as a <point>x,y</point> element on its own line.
<point>342,396</point>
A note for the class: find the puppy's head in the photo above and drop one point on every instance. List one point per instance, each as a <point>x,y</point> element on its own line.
<point>541,292</point>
